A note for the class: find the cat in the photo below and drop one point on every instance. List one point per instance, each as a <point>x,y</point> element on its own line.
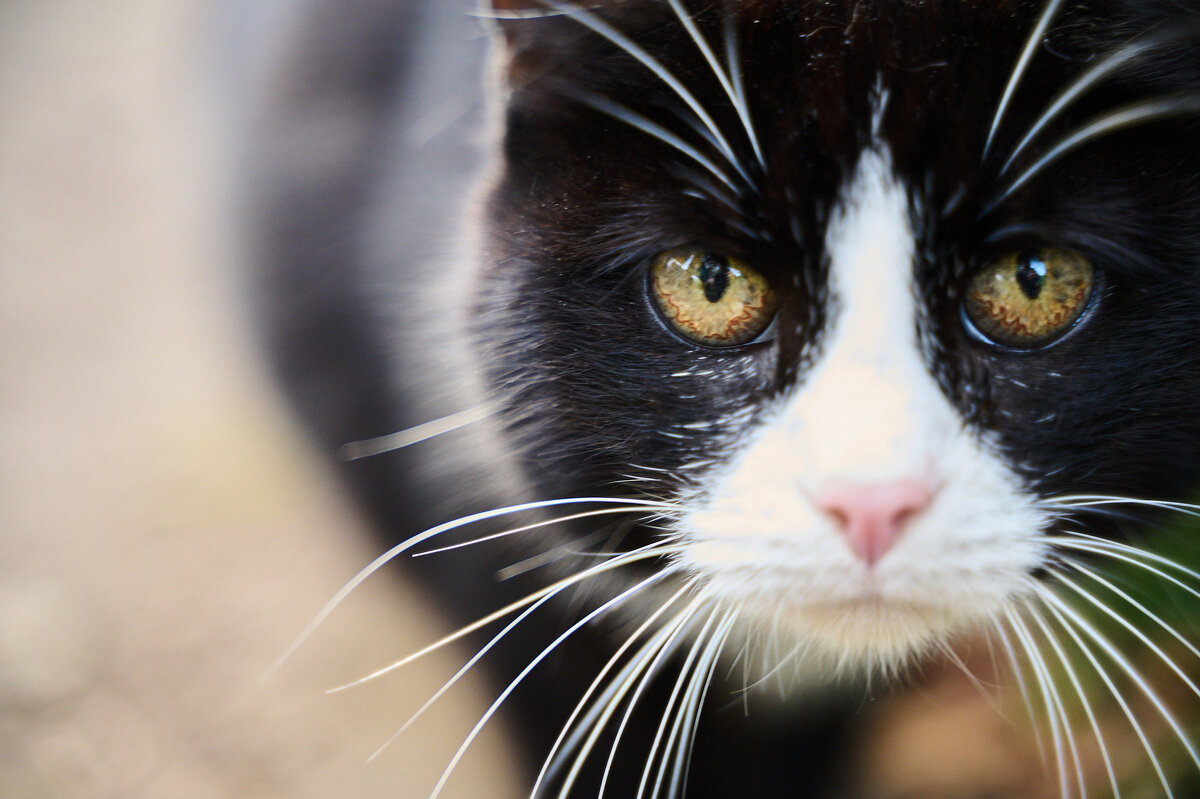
<point>745,344</point>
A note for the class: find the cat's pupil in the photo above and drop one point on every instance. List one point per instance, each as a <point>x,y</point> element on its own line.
<point>1031,274</point>
<point>714,274</point>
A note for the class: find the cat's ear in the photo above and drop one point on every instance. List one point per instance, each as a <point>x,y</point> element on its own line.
<point>506,7</point>
<point>511,20</point>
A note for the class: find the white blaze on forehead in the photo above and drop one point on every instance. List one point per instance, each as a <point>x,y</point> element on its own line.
<point>868,411</point>
<point>869,406</point>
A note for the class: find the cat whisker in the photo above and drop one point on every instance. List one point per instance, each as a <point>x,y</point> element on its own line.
<point>367,448</point>
<point>1084,702</point>
<point>678,745</point>
<point>1090,77</point>
<point>1022,686</point>
<point>644,680</point>
<point>767,673</point>
<point>530,602</point>
<point>1131,555</point>
<point>479,654</point>
<point>1091,599</point>
<point>656,67</point>
<point>1057,609</point>
<point>1097,500</point>
<point>1055,717</point>
<point>552,555</point>
<point>698,690</point>
<point>416,540</point>
<point>1139,113</point>
<point>701,130</point>
<point>1018,72</point>
<point>676,706</point>
<point>650,128</point>
<point>609,605</point>
<point>986,692</point>
<point>736,96</point>
<point>1145,611</point>
<point>670,710</point>
<point>706,190</point>
<point>466,667</point>
<point>602,710</point>
<point>733,61</point>
<point>525,528</point>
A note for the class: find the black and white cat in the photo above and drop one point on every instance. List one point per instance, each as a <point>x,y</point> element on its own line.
<point>753,342</point>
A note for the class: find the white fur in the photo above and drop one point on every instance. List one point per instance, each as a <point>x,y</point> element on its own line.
<point>869,411</point>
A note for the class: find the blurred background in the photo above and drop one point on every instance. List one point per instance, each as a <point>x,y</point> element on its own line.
<point>164,532</point>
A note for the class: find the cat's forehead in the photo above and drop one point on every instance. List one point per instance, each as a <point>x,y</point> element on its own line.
<point>815,69</point>
<point>736,123</point>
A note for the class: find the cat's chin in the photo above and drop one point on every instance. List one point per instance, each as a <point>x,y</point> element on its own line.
<point>857,637</point>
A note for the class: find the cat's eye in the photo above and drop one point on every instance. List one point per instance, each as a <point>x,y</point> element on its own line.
<point>710,298</point>
<point>1029,298</point>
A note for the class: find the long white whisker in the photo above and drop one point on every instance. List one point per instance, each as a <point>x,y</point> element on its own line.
<point>780,662</point>
<point>604,707</point>
<point>472,661</point>
<point>1140,681</point>
<point>599,26</point>
<point>949,654</point>
<point>1014,80</point>
<point>1045,682</point>
<point>1022,686</point>
<point>1149,614</point>
<point>1096,73</point>
<point>1141,636</point>
<point>553,554</point>
<point>678,745</point>
<point>1069,668</point>
<point>1102,673</point>
<point>391,442</point>
<point>491,711</point>
<point>420,538</point>
<point>637,678</point>
<point>733,61</point>
<point>707,191</point>
<point>446,686</point>
<point>632,118</point>
<point>530,602</point>
<point>708,668</point>
<point>1131,555</point>
<point>525,528</point>
<point>643,684</point>
<point>669,708</point>
<point>735,96</point>
<point>644,676</point>
<point>1139,113</point>
<point>1091,500</point>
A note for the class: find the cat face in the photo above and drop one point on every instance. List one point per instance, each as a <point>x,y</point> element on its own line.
<point>870,315</point>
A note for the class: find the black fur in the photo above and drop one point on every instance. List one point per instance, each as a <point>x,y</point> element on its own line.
<point>583,369</point>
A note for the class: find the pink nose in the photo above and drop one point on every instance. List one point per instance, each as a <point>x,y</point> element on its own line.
<point>871,516</point>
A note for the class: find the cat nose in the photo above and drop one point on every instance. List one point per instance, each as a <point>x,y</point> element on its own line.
<point>872,516</point>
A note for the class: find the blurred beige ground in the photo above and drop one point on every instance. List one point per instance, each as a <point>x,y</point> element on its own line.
<point>163,532</point>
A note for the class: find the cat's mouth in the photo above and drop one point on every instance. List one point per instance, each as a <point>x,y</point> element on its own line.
<point>861,614</point>
<point>866,631</point>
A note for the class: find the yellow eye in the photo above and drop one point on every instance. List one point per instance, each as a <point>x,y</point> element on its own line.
<point>709,298</point>
<point>1029,298</point>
